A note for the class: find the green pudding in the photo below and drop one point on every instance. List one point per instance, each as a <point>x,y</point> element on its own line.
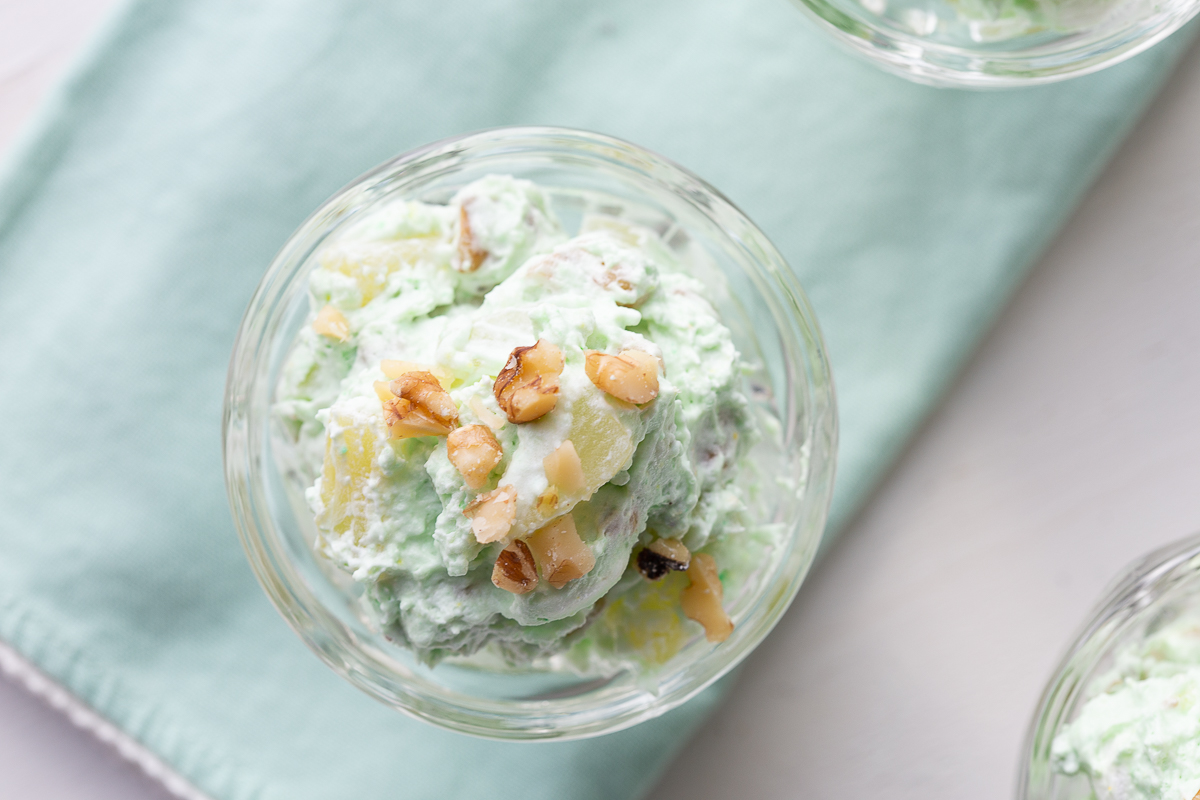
<point>998,20</point>
<point>524,442</point>
<point>1138,738</point>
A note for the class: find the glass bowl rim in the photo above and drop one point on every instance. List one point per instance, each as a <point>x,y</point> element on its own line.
<point>348,655</point>
<point>1136,587</point>
<point>908,54</point>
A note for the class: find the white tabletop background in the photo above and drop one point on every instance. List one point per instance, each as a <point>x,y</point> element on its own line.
<point>913,657</point>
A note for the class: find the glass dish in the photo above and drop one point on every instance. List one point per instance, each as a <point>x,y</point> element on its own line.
<point>1154,592</point>
<point>996,43</point>
<point>789,387</point>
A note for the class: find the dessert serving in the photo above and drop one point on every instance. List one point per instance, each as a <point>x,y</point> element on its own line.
<point>517,435</point>
<point>1138,736</point>
<point>1120,719</point>
<point>530,434</point>
<point>994,43</point>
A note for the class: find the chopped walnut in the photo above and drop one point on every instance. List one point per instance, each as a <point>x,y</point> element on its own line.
<point>419,407</point>
<point>527,388</point>
<point>515,571</point>
<point>562,555</point>
<point>631,375</point>
<point>470,255</point>
<point>332,323</point>
<point>492,514</point>
<point>701,600</point>
<point>474,452</point>
<point>662,556</point>
<point>564,469</point>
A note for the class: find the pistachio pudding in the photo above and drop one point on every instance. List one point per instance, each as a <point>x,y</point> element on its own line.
<point>521,434</point>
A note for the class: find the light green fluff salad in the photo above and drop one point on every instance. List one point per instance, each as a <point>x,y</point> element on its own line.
<point>1138,738</point>
<point>463,396</point>
<point>996,20</point>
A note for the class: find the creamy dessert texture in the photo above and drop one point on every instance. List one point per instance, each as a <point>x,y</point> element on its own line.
<point>522,441</point>
<point>1138,738</point>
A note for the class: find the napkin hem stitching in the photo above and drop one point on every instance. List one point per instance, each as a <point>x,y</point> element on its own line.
<point>23,672</point>
<point>63,677</point>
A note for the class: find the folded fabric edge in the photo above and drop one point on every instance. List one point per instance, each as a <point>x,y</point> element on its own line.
<point>21,671</point>
<point>46,666</point>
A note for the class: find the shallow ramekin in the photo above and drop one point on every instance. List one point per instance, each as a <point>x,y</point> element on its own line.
<point>790,387</point>
<point>1151,593</point>
<point>935,42</point>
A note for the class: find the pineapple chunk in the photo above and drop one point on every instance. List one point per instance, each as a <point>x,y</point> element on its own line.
<point>332,323</point>
<point>370,265</point>
<point>601,441</point>
<point>564,469</point>
<point>602,447</point>
<point>644,621</point>
<point>349,457</point>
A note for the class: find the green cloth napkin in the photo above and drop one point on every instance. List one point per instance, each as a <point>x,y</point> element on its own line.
<point>141,210</point>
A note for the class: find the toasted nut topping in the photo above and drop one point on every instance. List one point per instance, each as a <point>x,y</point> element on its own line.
<point>474,452</point>
<point>515,571</point>
<point>701,600</point>
<point>332,323</point>
<point>492,514</point>
<point>393,369</point>
<point>527,388</point>
<point>631,375</point>
<point>662,556</point>
<point>564,469</point>
<point>470,255</point>
<point>419,407</point>
<point>547,501</point>
<point>563,556</point>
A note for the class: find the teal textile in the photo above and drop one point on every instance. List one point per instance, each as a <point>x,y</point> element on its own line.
<point>140,212</point>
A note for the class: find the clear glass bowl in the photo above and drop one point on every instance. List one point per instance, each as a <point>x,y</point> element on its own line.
<point>1154,592</point>
<point>789,387</point>
<point>996,43</point>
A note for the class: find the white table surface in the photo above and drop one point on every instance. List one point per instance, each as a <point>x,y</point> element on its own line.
<point>911,662</point>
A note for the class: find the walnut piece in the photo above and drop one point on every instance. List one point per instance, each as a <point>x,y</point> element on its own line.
<point>332,323</point>
<point>470,255</point>
<point>515,571</point>
<point>562,555</point>
<point>492,514</point>
<point>419,407</point>
<point>631,375</point>
<point>564,469</point>
<point>701,600</point>
<point>527,388</point>
<point>662,556</point>
<point>474,452</point>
